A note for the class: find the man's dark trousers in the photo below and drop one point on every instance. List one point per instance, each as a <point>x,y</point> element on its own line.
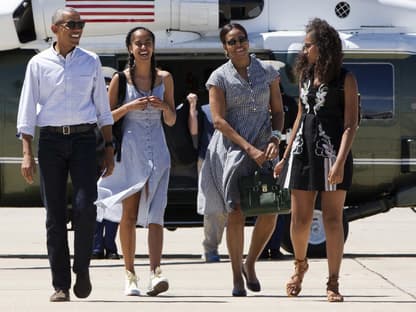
<point>104,236</point>
<point>60,155</point>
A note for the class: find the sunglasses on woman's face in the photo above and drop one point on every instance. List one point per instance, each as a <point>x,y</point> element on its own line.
<point>240,39</point>
<point>73,24</point>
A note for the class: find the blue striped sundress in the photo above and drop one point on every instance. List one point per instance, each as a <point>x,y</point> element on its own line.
<point>145,160</point>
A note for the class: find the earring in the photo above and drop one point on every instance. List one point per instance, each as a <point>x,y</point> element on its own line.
<point>226,54</point>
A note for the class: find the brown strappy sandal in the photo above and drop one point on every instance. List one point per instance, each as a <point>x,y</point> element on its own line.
<point>294,286</point>
<point>332,290</point>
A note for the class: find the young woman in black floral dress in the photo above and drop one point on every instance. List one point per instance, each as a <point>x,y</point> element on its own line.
<point>318,157</point>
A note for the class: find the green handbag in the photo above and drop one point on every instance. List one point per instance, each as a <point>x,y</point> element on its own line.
<point>261,194</point>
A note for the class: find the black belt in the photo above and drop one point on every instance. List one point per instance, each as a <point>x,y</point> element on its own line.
<point>67,130</point>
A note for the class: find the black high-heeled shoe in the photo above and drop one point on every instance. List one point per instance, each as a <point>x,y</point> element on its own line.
<point>253,286</point>
<point>239,292</point>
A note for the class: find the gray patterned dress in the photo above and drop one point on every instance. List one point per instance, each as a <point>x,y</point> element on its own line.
<point>247,111</point>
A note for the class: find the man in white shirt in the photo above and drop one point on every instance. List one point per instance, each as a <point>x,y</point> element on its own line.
<point>64,94</point>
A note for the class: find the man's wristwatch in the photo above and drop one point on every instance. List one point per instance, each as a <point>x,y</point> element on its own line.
<point>109,144</point>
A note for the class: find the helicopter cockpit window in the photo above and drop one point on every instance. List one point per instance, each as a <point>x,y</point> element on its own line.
<point>376,86</point>
<point>239,10</point>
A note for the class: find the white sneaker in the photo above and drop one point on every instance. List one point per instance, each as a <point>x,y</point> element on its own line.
<point>131,288</point>
<point>157,283</point>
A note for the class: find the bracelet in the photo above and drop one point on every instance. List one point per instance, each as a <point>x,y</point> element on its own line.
<point>277,134</point>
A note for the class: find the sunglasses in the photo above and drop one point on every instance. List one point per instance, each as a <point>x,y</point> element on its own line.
<point>233,42</point>
<point>73,24</point>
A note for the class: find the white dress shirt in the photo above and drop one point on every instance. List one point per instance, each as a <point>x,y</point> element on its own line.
<point>60,91</point>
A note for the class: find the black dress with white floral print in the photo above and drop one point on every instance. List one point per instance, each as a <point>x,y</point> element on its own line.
<point>318,138</point>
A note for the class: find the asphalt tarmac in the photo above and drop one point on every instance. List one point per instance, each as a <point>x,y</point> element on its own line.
<point>378,272</point>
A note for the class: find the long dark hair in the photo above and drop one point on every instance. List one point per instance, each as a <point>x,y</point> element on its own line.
<point>329,62</point>
<point>132,63</point>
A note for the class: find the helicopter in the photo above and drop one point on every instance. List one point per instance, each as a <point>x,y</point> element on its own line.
<point>379,48</point>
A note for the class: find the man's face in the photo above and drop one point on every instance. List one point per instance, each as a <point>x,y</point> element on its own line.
<point>68,30</point>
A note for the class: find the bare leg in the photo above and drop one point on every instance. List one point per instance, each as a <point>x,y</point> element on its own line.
<point>235,244</point>
<point>302,212</point>
<point>262,232</point>
<point>303,203</point>
<point>128,230</point>
<point>332,212</point>
<point>157,283</point>
<point>155,242</point>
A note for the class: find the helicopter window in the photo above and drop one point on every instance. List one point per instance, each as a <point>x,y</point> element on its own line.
<point>376,86</point>
<point>239,10</point>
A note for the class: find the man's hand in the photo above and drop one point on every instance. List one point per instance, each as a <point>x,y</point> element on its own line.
<point>108,162</point>
<point>28,168</point>
<point>192,99</point>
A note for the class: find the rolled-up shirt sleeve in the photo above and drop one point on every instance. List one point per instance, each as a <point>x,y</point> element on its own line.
<point>100,99</point>
<point>29,97</point>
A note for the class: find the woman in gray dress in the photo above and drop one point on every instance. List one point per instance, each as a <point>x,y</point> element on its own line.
<point>242,92</point>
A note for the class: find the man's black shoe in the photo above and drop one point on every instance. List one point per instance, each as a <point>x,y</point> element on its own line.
<point>276,254</point>
<point>59,296</point>
<point>264,254</point>
<point>97,255</point>
<point>82,287</point>
<point>112,256</point>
